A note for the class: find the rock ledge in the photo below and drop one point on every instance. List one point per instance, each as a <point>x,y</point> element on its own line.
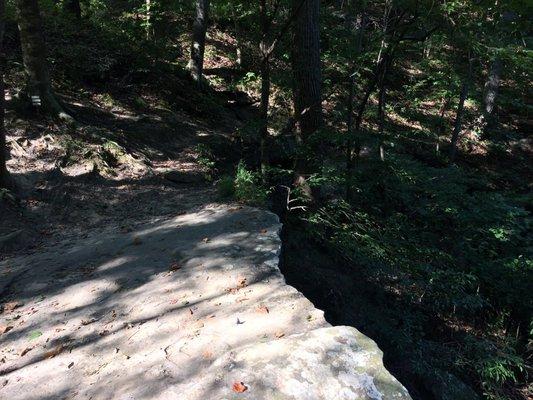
<point>193,308</point>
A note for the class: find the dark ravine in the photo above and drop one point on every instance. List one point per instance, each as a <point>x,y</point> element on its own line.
<point>349,299</point>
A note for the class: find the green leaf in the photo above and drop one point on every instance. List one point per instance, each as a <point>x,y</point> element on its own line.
<point>34,335</point>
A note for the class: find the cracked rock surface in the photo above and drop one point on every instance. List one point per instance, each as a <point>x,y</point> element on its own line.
<point>192,307</point>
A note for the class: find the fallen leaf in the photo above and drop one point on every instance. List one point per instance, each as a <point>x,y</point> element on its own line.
<point>9,307</point>
<point>174,266</point>
<point>5,382</point>
<point>190,310</point>
<point>207,354</point>
<point>263,231</point>
<point>54,352</point>
<point>205,240</point>
<point>26,351</point>
<point>34,335</point>
<point>239,387</point>
<point>71,365</point>
<point>263,310</point>
<point>137,241</point>
<point>5,329</point>
<point>241,282</point>
<point>279,334</point>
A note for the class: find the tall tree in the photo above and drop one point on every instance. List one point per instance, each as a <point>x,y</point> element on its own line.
<point>4,175</point>
<point>491,92</point>
<point>307,93</point>
<point>458,124</point>
<point>199,30</point>
<point>33,45</point>
<point>264,48</point>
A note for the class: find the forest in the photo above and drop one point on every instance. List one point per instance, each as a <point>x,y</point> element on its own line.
<point>392,138</point>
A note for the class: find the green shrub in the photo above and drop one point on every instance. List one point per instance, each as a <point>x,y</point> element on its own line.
<point>246,187</point>
<point>452,251</point>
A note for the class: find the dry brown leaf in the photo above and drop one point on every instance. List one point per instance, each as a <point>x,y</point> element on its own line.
<point>54,352</point>
<point>26,351</point>
<point>241,282</point>
<point>279,334</point>
<point>9,307</point>
<point>263,231</point>
<point>263,310</point>
<point>174,267</point>
<point>5,329</point>
<point>239,387</point>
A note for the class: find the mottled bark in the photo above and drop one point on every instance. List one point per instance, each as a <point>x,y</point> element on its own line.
<point>352,145</point>
<point>33,45</point>
<point>306,67</point>
<point>264,50</point>
<point>381,111</point>
<point>4,175</point>
<point>199,30</point>
<point>491,93</point>
<point>307,77</point>
<point>458,125</point>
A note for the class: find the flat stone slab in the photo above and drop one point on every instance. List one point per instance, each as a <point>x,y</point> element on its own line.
<point>193,307</point>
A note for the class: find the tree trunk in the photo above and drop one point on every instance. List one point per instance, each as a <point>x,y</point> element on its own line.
<point>381,108</point>
<point>4,175</point>
<point>148,27</point>
<point>351,141</point>
<point>491,92</point>
<point>306,69</point>
<point>74,8</point>
<point>199,29</point>
<point>460,111</point>
<point>33,46</point>
<point>264,51</point>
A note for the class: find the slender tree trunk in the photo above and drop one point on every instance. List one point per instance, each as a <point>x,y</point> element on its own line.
<point>442,125</point>
<point>306,69</point>
<point>4,175</point>
<point>351,142</point>
<point>381,113</point>
<point>33,46</point>
<point>264,49</point>
<point>491,93</point>
<point>199,30</point>
<point>460,111</point>
<point>238,44</point>
<point>148,28</point>
<point>73,7</point>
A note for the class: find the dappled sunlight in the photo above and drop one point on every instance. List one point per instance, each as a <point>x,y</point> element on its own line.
<point>165,300</point>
